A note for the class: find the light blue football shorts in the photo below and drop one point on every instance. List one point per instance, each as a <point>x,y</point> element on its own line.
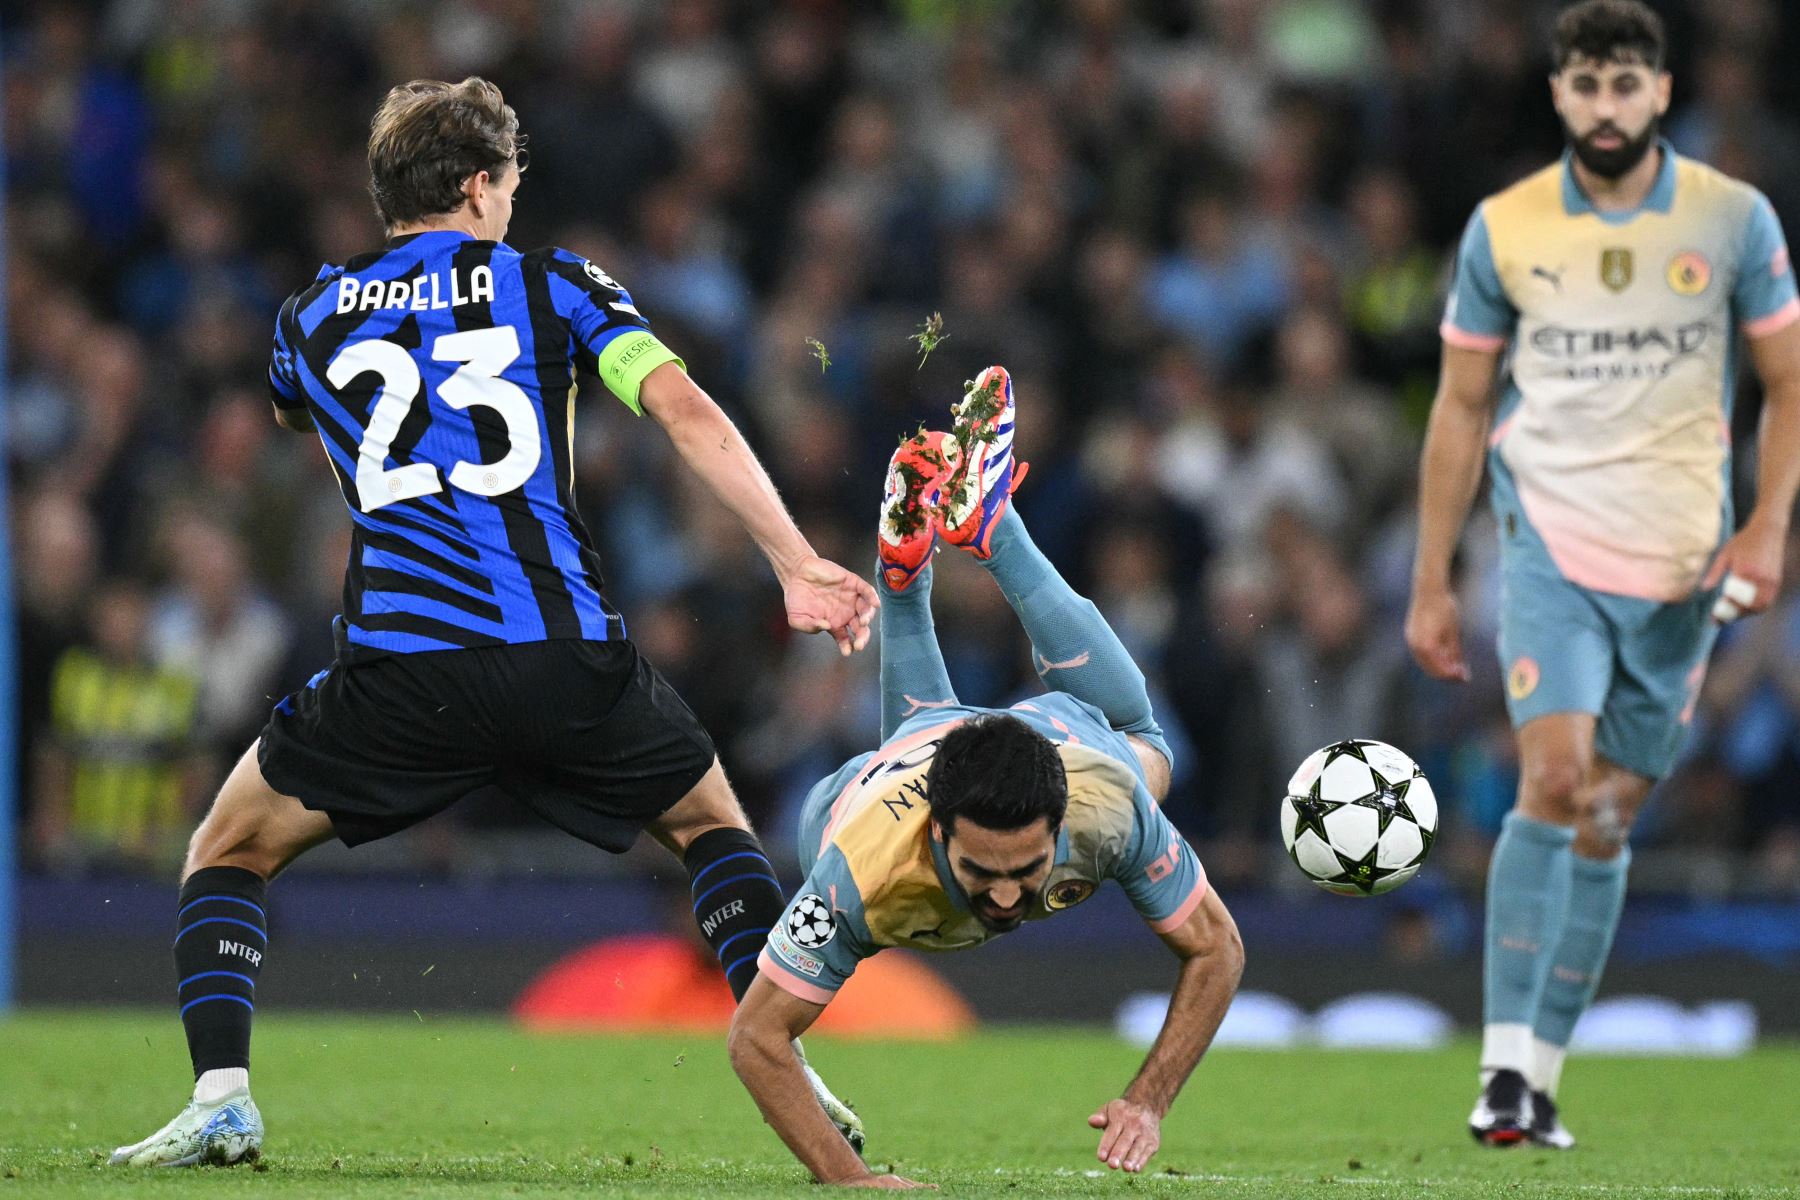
<point>1636,664</point>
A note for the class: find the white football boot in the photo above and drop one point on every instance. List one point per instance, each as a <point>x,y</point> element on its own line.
<point>1502,1115</point>
<point>1547,1129</point>
<point>227,1131</point>
<point>841,1114</point>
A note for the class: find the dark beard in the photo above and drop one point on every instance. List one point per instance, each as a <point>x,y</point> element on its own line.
<point>1612,164</point>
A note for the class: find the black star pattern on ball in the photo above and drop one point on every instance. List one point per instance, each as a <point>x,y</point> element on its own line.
<point>1310,812</point>
<point>1348,748</point>
<point>1389,800</point>
<point>1362,872</point>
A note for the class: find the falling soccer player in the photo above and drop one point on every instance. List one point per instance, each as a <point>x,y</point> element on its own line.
<point>967,822</point>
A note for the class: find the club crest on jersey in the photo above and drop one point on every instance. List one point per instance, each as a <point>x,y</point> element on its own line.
<point>600,277</point>
<point>1689,273</point>
<point>1522,679</point>
<point>1067,894</point>
<point>1615,267</point>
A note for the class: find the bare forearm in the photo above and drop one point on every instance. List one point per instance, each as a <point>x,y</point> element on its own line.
<point>1778,456</point>
<point>1449,474</point>
<point>1202,994</point>
<point>765,1061</point>
<point>712,446</point>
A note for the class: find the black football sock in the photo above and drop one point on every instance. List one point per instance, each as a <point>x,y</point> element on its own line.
<point>221,936</point>
<point>737,899</point>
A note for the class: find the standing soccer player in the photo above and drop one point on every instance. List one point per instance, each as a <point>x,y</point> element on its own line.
<point>1615,283</point>
<point>476,650</point>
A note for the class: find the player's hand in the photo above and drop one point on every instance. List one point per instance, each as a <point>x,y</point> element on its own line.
<point>1749,565</point>
<point>1434,634</point>
<point>1133,1134</point>
<point>886,1183</point>
<point>822,596</point>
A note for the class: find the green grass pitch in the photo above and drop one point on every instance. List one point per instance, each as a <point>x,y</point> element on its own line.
<point>427,1107</point>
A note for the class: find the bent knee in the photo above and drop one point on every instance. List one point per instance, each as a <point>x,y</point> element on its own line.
<point>1552,792</point>
<point>711,804</point>
<point>256,828</point>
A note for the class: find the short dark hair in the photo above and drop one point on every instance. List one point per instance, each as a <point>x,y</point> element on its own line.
<point>428,136</point>
<point>998,772</point>
<point>1618,31</point>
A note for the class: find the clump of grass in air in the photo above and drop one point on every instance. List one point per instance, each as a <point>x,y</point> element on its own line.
<point>929,335</point>
<point>819,352</point>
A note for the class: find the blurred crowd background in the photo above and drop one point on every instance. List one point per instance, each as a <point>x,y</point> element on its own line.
<point>1209,237</point>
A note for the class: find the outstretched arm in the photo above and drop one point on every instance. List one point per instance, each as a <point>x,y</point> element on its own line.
<point>761,1044</point>
<point>821,596</point>
<point>1212,961</point>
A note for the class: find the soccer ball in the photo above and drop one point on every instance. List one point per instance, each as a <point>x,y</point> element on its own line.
<point>1358,818</point>
<point>809,922</point>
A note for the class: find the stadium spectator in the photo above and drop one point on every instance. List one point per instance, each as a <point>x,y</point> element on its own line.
<point>216,625</point>
<point>118,781</point>
<point>58,564</point>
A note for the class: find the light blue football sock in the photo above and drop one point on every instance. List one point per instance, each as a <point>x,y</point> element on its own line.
<point>1596,899</point>
<point>1073,648</point>
<point>913,677</point>
<point>1527,897</point>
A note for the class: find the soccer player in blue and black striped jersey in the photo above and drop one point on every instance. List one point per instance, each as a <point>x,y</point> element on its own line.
<point>477,651</point>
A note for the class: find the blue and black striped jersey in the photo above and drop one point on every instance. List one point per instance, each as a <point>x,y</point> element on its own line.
<point>440,375</point>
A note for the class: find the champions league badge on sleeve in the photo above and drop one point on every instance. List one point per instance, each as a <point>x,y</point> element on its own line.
<point>810,923</point>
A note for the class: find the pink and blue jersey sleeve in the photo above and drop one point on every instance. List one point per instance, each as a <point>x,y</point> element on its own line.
<point>821,936</point>
<point>1478,315</point>
<point>1159,870</point>
<point>605,321</point>
<point>1764,299</point>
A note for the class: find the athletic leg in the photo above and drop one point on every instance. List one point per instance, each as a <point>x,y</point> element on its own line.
<point>221,944</point>
<point>1528,896</point>
<point>913,677</point>
<point>736,899</point>
<point>735,893</point>
<point>1661,663</point>
<point>1075,650</point>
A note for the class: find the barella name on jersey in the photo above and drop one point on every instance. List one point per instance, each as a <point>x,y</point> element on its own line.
<point>448,290</point>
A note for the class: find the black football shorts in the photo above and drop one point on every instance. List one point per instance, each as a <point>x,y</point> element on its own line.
<point>586,734</point>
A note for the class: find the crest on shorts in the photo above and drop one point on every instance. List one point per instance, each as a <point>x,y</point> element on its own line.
<point>1067,894</point>
<point>1522,679</point>
<point>1615,267</point>
<point>1689,273</point>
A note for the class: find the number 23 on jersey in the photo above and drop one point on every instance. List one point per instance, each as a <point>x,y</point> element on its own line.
<point>484,354</point>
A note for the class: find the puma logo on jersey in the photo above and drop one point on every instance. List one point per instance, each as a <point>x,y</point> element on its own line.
<point>1554,277</point>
